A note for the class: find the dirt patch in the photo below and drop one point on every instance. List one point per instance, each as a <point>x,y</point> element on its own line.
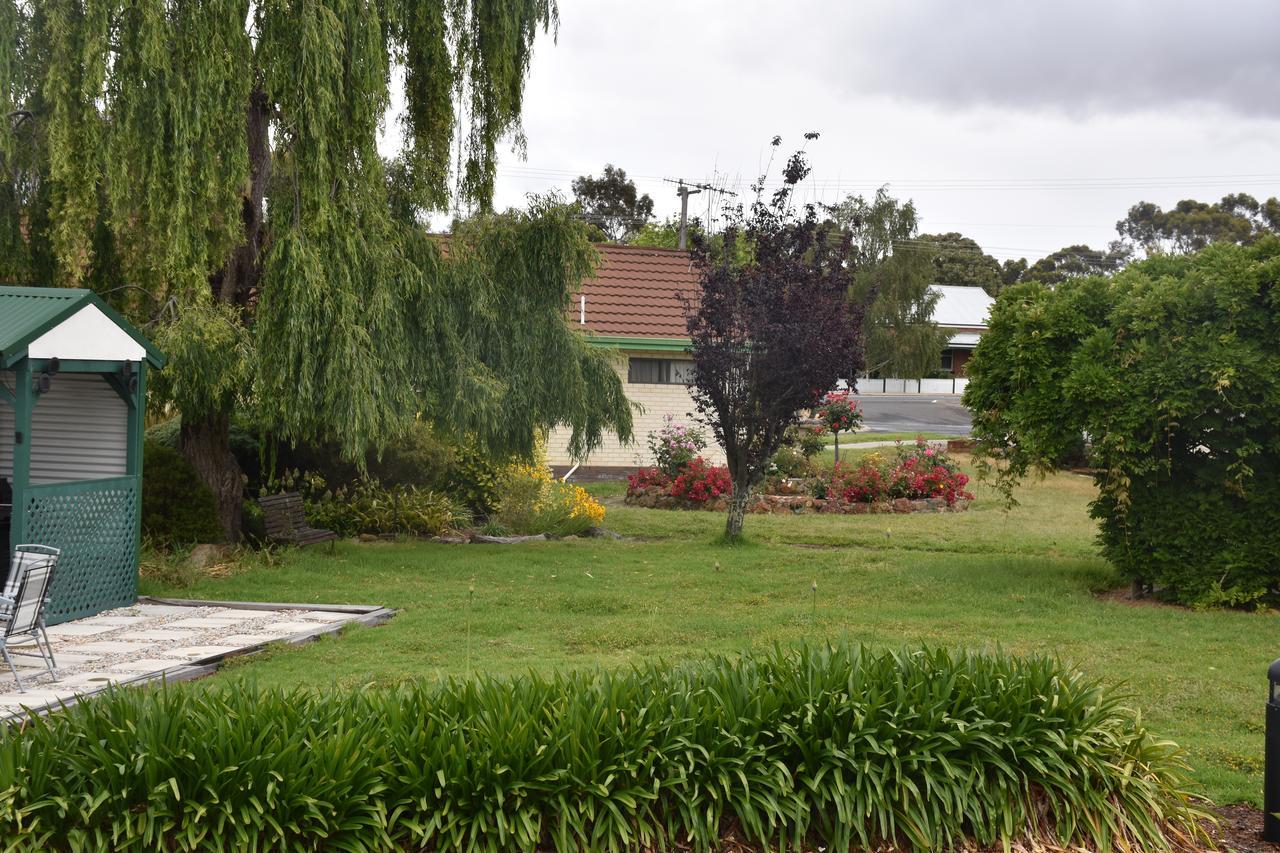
<point>1124,595</point>
<point>1239,830</point>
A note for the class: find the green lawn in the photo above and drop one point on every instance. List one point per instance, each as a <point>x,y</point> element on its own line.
<point>1024,581</point>
<point>863,437</point>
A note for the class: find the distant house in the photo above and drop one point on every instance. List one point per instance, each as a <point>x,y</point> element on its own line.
<point>962,311</point>
<point>633,304</point>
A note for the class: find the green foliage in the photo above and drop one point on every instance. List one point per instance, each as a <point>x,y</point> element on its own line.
<point>1172,368</point>
<point>959,260</point>
<point>211,356</point>
<point>1192,225</point>
<point>532,502</point>
<point>819,747</point>
<point>370,507</point>
<point>177,509</point>
<point>1076,262</point>
<point>611,204</point>
<point>901,338</point>
<point>795,457</point>
<point>878,225</point>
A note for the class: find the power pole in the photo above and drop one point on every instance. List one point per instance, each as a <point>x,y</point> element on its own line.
<point>684,191</point>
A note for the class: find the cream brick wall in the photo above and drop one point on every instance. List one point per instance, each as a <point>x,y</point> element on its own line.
<point>657,401</point>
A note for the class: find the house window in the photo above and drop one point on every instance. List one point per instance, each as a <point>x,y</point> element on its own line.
<point>948,360</point>
<point>659,371</point>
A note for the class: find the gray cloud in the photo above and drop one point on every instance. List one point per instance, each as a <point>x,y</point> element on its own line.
<point>1080,56</point>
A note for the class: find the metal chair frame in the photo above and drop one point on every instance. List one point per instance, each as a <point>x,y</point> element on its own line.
<point>22,607</point>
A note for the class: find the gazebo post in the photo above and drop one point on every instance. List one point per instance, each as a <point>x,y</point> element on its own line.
<point>137,431</point>
<point>24,402</point>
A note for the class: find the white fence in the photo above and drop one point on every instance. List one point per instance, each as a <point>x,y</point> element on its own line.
<point>871,387</point>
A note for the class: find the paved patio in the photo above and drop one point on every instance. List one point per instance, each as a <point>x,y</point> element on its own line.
<point>149,641</point>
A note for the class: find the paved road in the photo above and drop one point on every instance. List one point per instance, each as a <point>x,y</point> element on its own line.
<point>915,412</point>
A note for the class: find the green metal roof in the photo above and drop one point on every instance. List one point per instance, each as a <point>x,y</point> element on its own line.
<point>26,313</point>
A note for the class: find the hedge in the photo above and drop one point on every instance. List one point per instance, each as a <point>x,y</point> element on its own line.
<point>1171,368</point>
<point>832,746</point>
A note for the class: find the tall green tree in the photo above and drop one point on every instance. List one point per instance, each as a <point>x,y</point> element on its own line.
<point>212,167</point>
<point>959,260</point>
<point>1191,225</point>
<point>893,282</point>
<point>1076,262</point>
<point>902,340</point>
<point>877,224</point>
<point>612,203</point>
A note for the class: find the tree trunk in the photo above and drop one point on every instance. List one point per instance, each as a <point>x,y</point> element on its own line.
<point>737,510</point>
<point>206,444</point>
<point>237,282</point>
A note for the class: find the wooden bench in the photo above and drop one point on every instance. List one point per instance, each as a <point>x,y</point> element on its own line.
<point>287,523</point>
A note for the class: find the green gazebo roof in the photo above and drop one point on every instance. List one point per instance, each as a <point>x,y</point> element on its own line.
<point>26,313</point>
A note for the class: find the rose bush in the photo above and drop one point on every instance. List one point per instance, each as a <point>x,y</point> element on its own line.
<point>917,472</point>
<point>701,481</point>
<point>675,445</point>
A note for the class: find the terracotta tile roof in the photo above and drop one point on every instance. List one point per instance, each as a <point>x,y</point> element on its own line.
<point>634,292</point>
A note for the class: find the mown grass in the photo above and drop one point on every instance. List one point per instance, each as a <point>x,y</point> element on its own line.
<point>1023,581</point>
<point>863,437</point>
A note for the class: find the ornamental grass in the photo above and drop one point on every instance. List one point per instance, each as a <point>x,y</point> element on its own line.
<point>821,746</point>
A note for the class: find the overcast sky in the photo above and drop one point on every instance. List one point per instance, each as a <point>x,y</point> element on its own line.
<point>1025,125</point>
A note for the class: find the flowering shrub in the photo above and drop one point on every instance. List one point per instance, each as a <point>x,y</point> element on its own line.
<point>917,472</point>
<point>701,481</point>
<point>861,483</point>
<point>675,445</point>
<point>646,478</point>
<point>839,412</point>
<point>533,502</point>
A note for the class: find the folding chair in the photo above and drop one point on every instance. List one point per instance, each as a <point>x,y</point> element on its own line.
<point>26,592</point>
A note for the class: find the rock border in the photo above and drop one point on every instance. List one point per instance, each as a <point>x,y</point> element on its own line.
<point>656,498</point>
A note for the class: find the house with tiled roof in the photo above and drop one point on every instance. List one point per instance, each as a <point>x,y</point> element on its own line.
<point>634,304</point>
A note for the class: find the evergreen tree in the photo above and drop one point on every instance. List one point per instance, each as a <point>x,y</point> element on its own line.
<point>211,166</point>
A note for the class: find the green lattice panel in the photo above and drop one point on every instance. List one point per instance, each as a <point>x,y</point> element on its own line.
<point>94,522</point>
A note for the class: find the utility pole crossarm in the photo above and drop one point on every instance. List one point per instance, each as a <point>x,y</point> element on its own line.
<point>684,191</point>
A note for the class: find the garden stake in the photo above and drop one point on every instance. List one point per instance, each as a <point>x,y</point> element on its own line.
<point>471,595</point>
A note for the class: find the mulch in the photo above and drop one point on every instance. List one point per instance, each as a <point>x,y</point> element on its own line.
<point>1239,829</point>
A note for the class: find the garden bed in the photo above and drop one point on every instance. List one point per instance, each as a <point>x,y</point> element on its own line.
<point>659,497</point>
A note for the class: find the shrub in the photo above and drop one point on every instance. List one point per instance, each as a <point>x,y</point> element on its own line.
<point>1172,368</point>
<point>839,412</point>
<point>534,502</point>
<point>859,483</point>
<point>917,472</point>
<point>646,478</point>
<point>674,445</point>
<point>177,509</point>
<point>794,458</point>
<point>819,747</point>
<point>370,507</point>
<point>700,481</point>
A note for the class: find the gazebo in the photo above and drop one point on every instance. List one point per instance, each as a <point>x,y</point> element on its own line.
<point>73,377</point>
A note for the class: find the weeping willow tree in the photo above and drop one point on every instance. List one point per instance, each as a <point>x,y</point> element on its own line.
<point>211,167</point>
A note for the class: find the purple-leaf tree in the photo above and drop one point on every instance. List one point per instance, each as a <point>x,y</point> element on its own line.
<point>772,330</point>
